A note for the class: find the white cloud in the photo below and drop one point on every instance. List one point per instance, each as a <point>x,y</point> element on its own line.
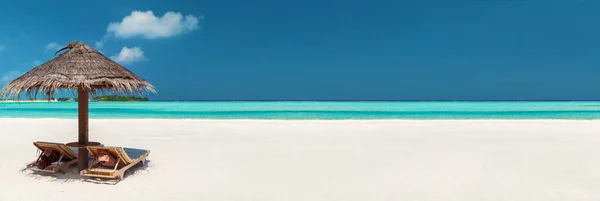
<point>129,55</point>
<point>99,44</point>
<point>2,48</point>
<point>36,62</point>
<point>10,76</point>
<point>149,26</point>
<point>52,47</point>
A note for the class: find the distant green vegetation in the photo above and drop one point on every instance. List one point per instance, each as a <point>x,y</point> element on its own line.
<point>63,99</point>
<point>109,98</point>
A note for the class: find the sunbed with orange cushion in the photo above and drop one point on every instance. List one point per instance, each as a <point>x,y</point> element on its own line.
<point>113,162</point>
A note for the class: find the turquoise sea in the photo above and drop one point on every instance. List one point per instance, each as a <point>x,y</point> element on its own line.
<point>309,110</point>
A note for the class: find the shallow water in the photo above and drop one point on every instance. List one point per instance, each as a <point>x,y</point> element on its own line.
<point>309,110</point>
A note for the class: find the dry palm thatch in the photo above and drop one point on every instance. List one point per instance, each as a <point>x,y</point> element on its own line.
<point>80,67</point>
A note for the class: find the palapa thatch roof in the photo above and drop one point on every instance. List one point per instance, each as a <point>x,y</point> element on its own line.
<point>80,66</point>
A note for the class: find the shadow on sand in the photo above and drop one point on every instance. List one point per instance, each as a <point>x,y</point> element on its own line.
<point>72,175</point>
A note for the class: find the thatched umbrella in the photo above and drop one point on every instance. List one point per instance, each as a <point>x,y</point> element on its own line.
<point>82,68</point>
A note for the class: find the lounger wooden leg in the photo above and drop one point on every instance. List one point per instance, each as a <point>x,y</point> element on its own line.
<point>58,165</point>
<point>66,166</point>
<point>117,164</point>
<point>30,165</point>
<point>63,170</point>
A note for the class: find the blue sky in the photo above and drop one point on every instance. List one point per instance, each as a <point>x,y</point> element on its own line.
<point>324,50</point>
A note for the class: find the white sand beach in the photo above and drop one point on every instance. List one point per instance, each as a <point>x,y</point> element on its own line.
<point>230,160</point>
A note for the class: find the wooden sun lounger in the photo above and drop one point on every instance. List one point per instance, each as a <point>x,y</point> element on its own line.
<point>67,158</point>
<point>126,159</point>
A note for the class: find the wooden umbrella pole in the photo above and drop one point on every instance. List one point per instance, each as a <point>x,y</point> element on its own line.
<point>82,104</point>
